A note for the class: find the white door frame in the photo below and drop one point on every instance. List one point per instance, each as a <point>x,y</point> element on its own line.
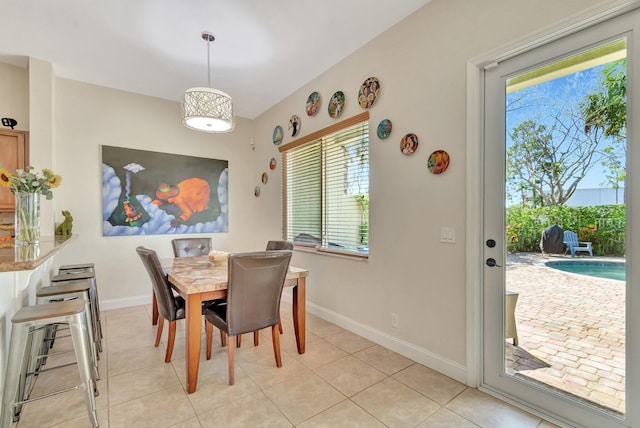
<point>474,170</point>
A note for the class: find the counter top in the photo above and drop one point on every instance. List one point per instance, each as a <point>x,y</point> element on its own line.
<point>29,257</point>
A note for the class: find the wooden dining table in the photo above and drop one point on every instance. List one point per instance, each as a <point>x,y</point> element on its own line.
<point>197,280</point>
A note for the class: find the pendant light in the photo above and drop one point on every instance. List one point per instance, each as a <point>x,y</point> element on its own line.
<point>207,109</point>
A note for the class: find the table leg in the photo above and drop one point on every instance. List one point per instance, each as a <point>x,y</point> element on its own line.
<point>300,313</point>
<point>154,309</point>
<point>193,320</point>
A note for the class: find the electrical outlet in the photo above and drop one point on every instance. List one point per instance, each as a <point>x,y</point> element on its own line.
<point>394,320</point>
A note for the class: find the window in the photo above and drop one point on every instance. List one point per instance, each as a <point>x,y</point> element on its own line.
<point>326,188</point>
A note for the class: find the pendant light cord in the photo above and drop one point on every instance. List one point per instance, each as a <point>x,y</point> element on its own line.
<point>209,61</point>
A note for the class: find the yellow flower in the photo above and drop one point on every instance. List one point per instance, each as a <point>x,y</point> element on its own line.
<point>54,181</point>
<point>5,178</point>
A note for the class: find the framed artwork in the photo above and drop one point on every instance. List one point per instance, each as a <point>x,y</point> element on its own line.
<point>272,164</point>
<point>313,104</point>
<point>336,103</point>
<point>369,92</point>
<point>256,191</point>
<point>294,125</point>
<point>409,144</point>
<point>152,193</point>
<point>438,162</point>
<point>278,133</point>
<point>264,178</point>
<point>384,129</point>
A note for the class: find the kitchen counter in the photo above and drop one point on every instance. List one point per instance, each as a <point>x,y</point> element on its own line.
<point>29,257</point>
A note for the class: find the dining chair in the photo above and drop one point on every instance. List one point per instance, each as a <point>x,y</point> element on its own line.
<point>254,291</point>
<point>184,247</point>
<point>271,246</point>
<point>170,307</point>
<point>190,247</point>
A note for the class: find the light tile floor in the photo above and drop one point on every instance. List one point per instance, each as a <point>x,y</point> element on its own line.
<point>343,380</point>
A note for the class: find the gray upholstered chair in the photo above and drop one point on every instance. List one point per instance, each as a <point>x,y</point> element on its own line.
<point>255,287</point>
<point>279,245</point>
<point>170,307</point>
<point>190,247</point>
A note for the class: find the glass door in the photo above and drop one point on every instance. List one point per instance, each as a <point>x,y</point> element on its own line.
<point>556,220</point>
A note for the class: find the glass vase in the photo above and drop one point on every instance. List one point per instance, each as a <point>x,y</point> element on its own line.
<point>27,220</point>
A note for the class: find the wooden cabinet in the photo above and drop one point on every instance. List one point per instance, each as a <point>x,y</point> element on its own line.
<point>14,154</point>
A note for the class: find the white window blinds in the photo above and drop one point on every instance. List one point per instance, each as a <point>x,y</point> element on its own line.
<point>326,189</point>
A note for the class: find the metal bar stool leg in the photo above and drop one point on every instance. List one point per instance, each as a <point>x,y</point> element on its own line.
<point>32,319</point>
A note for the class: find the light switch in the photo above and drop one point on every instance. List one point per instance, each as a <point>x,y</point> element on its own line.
<point>447,234</point>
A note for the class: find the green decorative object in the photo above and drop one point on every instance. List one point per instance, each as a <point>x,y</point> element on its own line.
<point>64,228</point>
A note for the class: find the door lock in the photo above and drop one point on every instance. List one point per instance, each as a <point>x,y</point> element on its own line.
<point>491,262</point>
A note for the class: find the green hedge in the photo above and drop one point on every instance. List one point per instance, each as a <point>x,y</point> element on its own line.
<point>603,225</point>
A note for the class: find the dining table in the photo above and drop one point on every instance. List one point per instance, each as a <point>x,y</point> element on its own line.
<point>197,279</point>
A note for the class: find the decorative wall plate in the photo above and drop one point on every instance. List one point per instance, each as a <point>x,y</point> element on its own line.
<point>384,129</point>
<point>264,178</point>
<point>256,191</point>
<point>278,133</point>
<point>336,103</point>
<point>369,92</point>
<point>438,162</point>
<point>294,125</point>
<point>313,104</point>
<point>409,144</point>
<point>272,164</point>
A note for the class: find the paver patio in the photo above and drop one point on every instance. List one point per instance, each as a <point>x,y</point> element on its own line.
<point>571,330</point>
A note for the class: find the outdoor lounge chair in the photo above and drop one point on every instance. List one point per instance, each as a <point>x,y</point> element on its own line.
<point>573,245</point>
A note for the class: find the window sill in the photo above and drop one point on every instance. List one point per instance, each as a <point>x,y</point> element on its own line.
<point>331,252</point>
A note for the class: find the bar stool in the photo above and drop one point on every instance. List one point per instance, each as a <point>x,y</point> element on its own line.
<point>84,271</point>
<point>71,290</point>
<point>26,322</point>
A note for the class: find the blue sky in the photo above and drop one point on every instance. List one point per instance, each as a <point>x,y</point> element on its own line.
<point>538,102</point>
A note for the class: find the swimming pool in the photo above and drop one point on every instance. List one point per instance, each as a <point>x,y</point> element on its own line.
<point>599,269</point>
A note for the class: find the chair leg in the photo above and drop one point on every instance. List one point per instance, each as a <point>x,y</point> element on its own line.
<point>276,345</point>
<point>238,340</point>
<point>154,309</point>
<point>230,351</point>
<point>208,328</point>
<point>170,341</point>
<point>223,338</point>
<point>159,333</point>
<point>256,337</point>
<point>280,324</point>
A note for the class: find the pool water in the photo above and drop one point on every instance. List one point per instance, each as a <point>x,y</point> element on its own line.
<point>608,270</point>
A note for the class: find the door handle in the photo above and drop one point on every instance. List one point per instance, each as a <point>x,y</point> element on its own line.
<point>491,262</point>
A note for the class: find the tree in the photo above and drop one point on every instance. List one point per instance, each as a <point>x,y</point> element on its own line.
<point>606,109</point>
<point>551,161</point>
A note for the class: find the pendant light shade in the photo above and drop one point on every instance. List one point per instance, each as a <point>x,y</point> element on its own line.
<point>207,109</point>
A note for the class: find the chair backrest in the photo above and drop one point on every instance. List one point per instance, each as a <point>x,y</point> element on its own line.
<point>160,282</point>
<point>279,245</point>
<point>191,247</point>
<point>255,288</point>
<point>570,238</point>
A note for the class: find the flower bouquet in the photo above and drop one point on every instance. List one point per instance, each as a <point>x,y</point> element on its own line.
<point>27,186</point>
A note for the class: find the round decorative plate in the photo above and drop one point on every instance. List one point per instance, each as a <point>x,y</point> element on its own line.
<point>335,104</point>
<point>384,129</point>
<point>294,125</point>
<point>438,162</point>
<point>369,91</point>
<point>278,133</point>
<point>272,164</point>
<point>409,144</point>
<point>313,104</point>
<point>264,178</point>
<point>256,191</point>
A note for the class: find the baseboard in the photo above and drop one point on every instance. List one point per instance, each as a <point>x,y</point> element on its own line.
<point>111,304</point>
<point>426,358</point>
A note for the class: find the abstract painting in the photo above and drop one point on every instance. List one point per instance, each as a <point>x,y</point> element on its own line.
<point>151,193</point>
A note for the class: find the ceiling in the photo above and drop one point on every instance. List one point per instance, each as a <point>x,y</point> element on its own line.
<point>263,52</point>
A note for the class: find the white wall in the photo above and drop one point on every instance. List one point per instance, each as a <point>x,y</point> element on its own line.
<point>89,116</point>
<point>421,65</point>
